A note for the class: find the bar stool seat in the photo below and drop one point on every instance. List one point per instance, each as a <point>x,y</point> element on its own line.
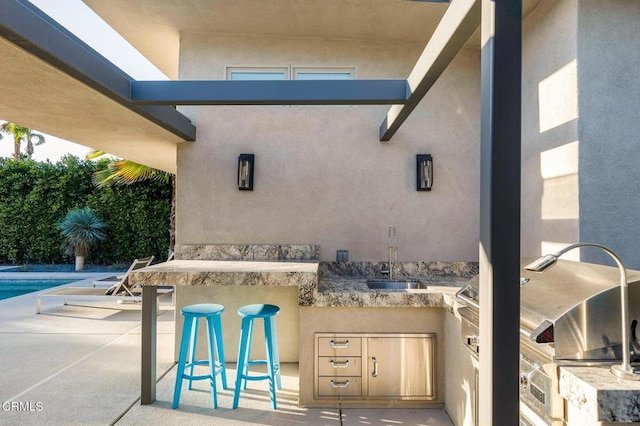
<point>192,314</point>
<point>267,313</point>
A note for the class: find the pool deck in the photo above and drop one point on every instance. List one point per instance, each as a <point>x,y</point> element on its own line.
<point>80,365</point>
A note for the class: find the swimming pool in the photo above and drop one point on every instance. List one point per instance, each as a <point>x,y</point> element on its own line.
<point>12,288</point>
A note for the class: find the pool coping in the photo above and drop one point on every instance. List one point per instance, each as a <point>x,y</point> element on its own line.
<point>54,275</point>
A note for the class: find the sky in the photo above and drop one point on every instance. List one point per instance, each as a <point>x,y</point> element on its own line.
<point>81,21</point>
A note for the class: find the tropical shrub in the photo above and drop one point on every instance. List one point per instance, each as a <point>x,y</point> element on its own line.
<point>81,229</point>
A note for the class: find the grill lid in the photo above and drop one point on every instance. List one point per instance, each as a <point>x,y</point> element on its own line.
<point>572,310</point>
<point>554,293</point>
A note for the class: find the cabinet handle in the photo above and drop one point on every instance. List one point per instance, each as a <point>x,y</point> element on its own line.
<point>344,344</point>
<point>339,364</point>
<point>335,384</point>
<point>374,373</point>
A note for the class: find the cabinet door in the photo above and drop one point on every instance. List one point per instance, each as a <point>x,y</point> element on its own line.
<point>401,367</point>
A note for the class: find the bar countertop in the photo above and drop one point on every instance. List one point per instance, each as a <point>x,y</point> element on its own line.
<point>231,272</point>
<point>219,266</point>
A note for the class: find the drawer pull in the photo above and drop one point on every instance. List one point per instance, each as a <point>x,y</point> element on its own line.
<point>341,345</point>
<point>339,364</point>
<point>335,384</point>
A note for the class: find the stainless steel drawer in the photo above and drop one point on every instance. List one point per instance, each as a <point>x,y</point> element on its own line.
<point>339,386</point>
<point>339,346</point>
<point>339,366</point>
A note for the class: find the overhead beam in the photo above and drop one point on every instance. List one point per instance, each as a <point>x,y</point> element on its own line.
<point>459,22</point>
<point>287,92</point>
<point>26,26</point>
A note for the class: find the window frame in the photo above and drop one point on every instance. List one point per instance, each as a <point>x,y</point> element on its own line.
<point>295,70</point>
<point>291,72</point>
<point>285,70</point>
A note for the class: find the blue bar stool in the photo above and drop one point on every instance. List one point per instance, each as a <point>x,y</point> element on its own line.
<point>248,314</point>
<point>192,315</point>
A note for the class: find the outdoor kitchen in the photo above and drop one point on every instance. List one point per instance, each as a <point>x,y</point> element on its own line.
<point>570,331</point>
<point>376,172</point>
<point>570,342</point>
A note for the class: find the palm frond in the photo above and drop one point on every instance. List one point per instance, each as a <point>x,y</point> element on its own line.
<point>93,154</point>
<point>14,129</point>
<point>102,178</point>
<point>126,172</point>
<point>36,138</point>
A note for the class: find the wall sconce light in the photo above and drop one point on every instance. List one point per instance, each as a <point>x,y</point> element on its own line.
<point>245,172</point>
<point>424,172</point>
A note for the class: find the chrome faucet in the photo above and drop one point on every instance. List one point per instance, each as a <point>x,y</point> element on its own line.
<point>393,253</point>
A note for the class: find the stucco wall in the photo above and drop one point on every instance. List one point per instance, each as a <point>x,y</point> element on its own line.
<point>550,143</point>
<point>580,128</point>
<point>609,127</point>
<point>321,174</point>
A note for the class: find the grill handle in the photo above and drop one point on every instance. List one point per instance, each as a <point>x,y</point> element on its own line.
<point>525,333</point>
<point>467,299</point>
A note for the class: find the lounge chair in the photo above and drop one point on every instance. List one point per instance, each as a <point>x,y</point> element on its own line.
<point>118,292</point>
<point>115,279</point>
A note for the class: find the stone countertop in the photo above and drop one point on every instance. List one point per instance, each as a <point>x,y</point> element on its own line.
<point>337,291</point>
<point>222,266</point>
<point>324,291</point>
<point>225,272</point>
<point>598,394</point>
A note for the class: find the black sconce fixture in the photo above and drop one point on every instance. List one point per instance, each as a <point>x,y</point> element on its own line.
<point>424,172</point>
<point>245,172</point>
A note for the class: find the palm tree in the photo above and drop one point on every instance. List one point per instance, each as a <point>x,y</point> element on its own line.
<point>33,139</point>
<point>21,134</point>
<point>126,172</point>
<point>81,229</point>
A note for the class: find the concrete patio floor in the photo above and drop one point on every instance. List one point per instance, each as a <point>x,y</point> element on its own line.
<point>80,365</point>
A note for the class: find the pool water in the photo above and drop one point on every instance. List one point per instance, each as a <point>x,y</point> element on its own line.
<point>12,288</point>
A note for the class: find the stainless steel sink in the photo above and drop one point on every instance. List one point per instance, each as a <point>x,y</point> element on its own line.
<point>395,285</point>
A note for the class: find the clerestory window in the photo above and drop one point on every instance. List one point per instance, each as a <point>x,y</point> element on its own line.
<point>258,73</point>
<point>289,72</point>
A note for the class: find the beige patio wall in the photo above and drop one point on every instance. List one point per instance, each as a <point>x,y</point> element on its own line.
<point>321,175</point>
<point>609,127</point>
<point>550,145</point>
<point>580,128</point>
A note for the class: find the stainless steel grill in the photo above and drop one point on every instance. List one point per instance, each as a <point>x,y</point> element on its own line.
<point>568,315</point>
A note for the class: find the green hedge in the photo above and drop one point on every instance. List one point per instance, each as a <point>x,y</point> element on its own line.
<point>35,196</point>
